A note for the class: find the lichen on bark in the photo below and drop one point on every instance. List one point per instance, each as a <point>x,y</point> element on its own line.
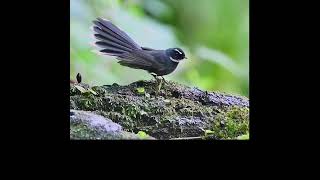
<point>176,111</point>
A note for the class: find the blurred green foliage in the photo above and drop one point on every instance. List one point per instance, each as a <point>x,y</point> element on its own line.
<point>213,33</point>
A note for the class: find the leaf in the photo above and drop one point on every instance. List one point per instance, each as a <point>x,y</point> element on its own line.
<point>207,132</point>
<point>166,100</point>
<point>81,89</point>
<point>142,134</point>
<point>92,91</point>
<point>140,90</point>
<point>143,112</point>
<point>243,137</point>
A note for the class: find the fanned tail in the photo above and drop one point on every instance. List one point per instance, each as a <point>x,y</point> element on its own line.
<point>111,39</point>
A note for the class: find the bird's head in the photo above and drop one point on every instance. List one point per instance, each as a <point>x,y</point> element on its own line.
<point>176,54</point>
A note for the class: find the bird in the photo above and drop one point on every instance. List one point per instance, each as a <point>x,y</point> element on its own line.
<point>112,41</point>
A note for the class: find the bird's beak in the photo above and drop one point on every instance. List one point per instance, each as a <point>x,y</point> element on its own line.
<point>185,57</point>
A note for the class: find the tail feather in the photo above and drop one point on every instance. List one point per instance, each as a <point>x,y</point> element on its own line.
<point>112,39</point>
<point>109,27</point>
<point>112,45</point>
<point>112,52</point>
<point>107,38</point>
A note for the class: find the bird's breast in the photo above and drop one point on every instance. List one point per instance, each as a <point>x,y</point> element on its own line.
<point>167,69</point>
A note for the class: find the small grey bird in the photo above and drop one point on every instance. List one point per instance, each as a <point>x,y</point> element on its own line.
<point>115,42</point>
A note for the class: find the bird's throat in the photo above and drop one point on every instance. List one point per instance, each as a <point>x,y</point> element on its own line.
<point>174,60</point>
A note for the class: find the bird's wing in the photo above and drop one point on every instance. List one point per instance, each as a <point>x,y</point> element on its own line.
<point>147,49</point>
<point>140,60</point>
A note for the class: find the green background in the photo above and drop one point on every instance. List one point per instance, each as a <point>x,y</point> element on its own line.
<point>213,33</point>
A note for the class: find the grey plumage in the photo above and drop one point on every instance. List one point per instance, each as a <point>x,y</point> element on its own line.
<point>107,32</point>
<point>115,42</point>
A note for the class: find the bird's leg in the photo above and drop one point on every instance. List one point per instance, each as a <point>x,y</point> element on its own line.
<point>155,76</point>
<point>159,84</point>
<point>156,79</point>
<point>164,80</point>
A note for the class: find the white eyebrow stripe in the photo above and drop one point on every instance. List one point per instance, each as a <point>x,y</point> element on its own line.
<point>178,51</point>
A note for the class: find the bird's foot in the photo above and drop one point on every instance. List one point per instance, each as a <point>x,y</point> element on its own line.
<point>155,76</point>
<point>166,82</point>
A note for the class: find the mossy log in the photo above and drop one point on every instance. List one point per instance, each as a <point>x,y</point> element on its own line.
<point>174,112</point>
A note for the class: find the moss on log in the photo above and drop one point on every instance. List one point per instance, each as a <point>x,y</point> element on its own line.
<point>174,112</point>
